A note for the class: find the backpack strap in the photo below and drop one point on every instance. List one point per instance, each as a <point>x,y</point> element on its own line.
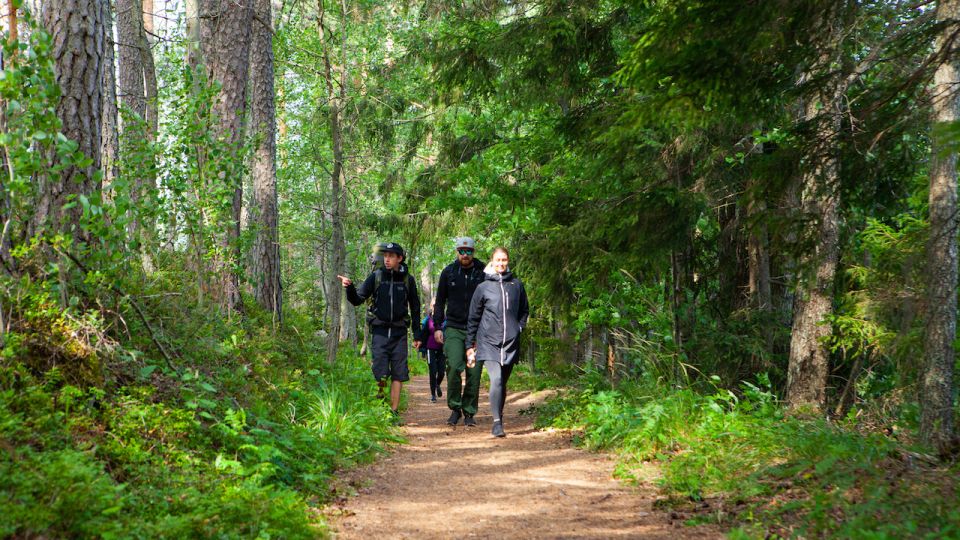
<point>377,280</point>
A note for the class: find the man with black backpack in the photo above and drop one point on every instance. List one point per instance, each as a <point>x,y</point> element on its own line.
<point>395,303</point>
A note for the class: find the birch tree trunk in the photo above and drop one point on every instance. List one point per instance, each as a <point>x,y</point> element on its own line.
<point>110,137</point>
<point>936,386</point>
<point>265,252</point>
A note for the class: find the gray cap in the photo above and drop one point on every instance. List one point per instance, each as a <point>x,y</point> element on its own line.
<point>465,242</point>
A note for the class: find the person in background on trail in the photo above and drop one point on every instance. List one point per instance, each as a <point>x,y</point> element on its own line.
<point>498,313</point>
<point>455,288</point>
<point>395,303</point>
<point>433,350</point>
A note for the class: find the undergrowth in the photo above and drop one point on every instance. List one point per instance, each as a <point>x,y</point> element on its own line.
<point>734,458</point>
<point>237,436</point>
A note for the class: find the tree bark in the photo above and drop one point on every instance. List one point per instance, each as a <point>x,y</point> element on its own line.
<point>808,365</point>
<point>149,72</point>
<point>79,38</point>
<point>132,101</point>
<point>758,256</point>
<point>110,136</point>
<point>265,252</point>
<point>225,28</point>
<point>335,103</point>
<point>936,386</point>
<point>194,52</point>
<point>132,95</point>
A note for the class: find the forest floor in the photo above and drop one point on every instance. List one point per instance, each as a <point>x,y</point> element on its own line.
<point>460,482</point>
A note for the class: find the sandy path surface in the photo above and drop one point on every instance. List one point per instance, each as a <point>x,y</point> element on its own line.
<point>459,482</point>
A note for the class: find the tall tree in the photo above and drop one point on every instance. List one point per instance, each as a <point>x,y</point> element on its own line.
<point>110,142</point>
<point>78,32</point>
<point>133,100</point>
<point>265,253</point>
<point>808,365</point>
<point>335,79</point>
<point>225,29</point>
<point>936,388</point>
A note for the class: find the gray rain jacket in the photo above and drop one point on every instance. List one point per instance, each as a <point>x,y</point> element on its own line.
<point>498,313</point>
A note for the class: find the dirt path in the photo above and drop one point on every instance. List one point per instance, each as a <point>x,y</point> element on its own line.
<point>462,483</point>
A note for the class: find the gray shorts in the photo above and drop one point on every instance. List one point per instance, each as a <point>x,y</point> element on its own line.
<point>389,353</point>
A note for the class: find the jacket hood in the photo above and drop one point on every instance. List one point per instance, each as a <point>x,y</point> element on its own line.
<point>491,275</point>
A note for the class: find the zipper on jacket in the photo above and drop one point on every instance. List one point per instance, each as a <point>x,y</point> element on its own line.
<point>503,301</point>
<point>390,326</point>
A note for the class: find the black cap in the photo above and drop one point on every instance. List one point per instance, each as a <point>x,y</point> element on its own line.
<point>392,247</point>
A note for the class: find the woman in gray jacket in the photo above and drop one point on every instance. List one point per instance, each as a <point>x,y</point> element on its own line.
<point>498,313</point>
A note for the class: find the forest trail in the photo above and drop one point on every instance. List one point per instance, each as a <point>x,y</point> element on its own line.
<point>459,482</point>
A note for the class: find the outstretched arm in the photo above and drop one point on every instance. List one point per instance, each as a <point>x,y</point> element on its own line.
<point>357,295</point>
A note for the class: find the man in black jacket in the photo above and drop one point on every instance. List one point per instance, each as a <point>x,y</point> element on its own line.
<point>454,291</point>
<point>394,291</point>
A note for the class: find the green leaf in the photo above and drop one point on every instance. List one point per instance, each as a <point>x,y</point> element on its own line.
<point>145,371</point>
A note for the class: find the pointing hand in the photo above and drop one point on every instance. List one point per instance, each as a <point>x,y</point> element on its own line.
<point>344,280</point>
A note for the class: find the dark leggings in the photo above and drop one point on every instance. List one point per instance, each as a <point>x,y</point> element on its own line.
<point>438,366</point>
<point>498,387</point>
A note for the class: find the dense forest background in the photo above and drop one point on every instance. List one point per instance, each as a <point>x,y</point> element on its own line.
<point>741,214</point>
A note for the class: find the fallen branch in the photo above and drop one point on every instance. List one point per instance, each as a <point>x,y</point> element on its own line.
<point>136,307</point>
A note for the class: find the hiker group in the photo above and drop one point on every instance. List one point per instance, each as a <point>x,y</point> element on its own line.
<point>474,321</point>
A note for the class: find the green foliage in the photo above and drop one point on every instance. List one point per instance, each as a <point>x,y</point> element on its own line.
<point>239,442</point>
<point>773,474</point>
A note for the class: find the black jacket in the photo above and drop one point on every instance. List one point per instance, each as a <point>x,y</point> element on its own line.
<point>498,313</point>
<point>454,291</point>
<point>390,306</point>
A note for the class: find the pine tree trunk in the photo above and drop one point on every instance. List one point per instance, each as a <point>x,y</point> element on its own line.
<point>132,99</point>
<point>936,386</point>
<point>225,29</point>
<point>808,365</point>
<point>265,252</point>
<point>79,37</point>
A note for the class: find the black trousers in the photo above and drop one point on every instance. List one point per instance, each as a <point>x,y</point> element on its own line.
<point>438,365</point>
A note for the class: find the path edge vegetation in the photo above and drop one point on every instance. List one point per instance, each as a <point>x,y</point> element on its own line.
<point>714,204</point>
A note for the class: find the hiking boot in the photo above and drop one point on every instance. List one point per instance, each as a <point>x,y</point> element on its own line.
<point>439,393</point>
<point>497,430</point>
<point>433,399</point>
<point>454,417</point>
<point>469,421</point>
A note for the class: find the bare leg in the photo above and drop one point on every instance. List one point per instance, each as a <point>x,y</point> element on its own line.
<point>395,387</point>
